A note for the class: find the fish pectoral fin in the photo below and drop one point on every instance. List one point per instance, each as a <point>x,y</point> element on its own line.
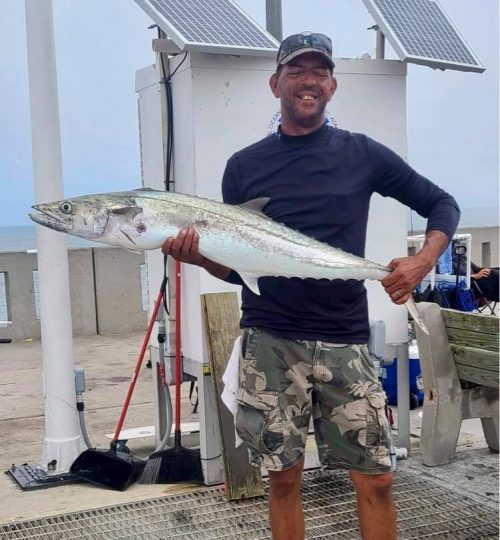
<point>251,282</point>
<point>128,212</point>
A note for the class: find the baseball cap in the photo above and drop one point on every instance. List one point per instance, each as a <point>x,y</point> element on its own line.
<point>302,43</point>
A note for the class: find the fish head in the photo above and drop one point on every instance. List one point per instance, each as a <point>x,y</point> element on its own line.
<point>88,217</point>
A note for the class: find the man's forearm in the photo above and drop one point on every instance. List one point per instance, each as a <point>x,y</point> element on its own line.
<point>215,269</point>
<point>435,243</point>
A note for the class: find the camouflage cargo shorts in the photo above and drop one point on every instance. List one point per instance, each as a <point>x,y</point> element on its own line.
<point>284,381</point>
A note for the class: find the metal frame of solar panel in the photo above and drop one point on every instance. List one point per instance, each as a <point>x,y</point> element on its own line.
<point>420,32</point>
<point>214,26</point>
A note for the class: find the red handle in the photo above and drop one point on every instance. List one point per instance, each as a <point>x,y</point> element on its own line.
<point>159,300</point>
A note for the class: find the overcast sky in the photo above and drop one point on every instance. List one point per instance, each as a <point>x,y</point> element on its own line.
<point>452,116</point>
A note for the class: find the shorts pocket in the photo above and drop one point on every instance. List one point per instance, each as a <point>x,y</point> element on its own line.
<point>256,362</point>
<point>259,422</point>
<point>377,425</point>
<point>249,376</point>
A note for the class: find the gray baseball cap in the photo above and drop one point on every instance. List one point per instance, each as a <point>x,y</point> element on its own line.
<point>302,43</point>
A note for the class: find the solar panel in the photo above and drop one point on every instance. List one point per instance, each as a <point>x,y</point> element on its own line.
<point>420,32</point>
<point>217,26</point>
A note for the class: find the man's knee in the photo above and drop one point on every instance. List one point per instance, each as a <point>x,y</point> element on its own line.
<point>373,486</point>
<point>288,482</point>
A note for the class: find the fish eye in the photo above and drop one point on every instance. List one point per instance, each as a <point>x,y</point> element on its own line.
<point>66,207</point>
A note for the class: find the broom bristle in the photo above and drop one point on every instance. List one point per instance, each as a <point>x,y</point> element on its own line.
<point>171,466</point>
<point>150,472</point>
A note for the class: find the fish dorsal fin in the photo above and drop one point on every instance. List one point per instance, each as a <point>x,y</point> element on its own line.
<point>256,205</point>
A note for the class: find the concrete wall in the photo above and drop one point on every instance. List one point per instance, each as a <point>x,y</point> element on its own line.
<point>105,289</point>
<point>118,291</point>
<point>18,268</point>
<point>479,236</point>
<point>81,283</point>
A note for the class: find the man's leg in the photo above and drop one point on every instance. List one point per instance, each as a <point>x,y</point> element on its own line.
<point>377,513</point>
<point>275,385</point>
<point>285,505</point>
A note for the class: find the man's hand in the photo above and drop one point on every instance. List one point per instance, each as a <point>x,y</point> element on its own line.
<point>185,247</point>
<point>407,273</point>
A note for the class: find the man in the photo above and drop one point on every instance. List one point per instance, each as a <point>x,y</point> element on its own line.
<point>304,341</point>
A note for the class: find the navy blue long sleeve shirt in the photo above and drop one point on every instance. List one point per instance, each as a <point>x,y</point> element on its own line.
<point>321,184</point>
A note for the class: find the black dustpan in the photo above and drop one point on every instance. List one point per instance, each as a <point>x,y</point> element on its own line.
<point>107,468</point>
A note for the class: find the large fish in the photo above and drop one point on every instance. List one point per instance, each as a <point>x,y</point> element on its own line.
<point>239,237</point>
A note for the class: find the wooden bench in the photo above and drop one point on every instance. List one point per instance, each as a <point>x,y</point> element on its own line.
<point>459,363</point>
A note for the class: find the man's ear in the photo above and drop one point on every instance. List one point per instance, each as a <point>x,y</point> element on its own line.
<point>273,83</point>
<point>334,88</point>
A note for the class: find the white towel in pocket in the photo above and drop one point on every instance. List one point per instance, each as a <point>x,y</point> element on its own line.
<point>231,383</point>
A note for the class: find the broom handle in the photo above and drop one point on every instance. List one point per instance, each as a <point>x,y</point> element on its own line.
<point>159,300</point>
<point>178,374</point>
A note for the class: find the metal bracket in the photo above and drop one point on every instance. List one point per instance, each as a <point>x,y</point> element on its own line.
<point>165,45</point>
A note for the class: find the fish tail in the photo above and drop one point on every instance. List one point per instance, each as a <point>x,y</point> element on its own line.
<point>413,311</point>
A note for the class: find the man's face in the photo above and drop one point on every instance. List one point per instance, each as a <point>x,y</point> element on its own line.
<point>305,85</point>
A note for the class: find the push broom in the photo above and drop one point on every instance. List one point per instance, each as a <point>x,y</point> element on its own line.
<point>176,464</point>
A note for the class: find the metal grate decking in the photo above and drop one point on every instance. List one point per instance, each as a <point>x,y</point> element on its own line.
<point>425,510</point>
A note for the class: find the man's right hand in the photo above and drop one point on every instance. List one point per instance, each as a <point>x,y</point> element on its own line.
<point>185,247</point>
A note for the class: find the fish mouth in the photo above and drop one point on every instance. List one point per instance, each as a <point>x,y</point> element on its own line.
<point>48,219</point>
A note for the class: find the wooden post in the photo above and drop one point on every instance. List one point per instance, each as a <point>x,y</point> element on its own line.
<point>221,321</point>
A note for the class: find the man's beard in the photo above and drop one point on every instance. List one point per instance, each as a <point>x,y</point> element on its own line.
<point>306,120</point>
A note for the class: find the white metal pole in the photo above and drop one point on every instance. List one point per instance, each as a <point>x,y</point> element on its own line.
<point>274,24</point>
<point>63,441</point>
<point>380,50</point>
<point>403,393</point>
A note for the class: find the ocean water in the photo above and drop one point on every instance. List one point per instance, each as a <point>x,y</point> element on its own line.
<point>23,238</point>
